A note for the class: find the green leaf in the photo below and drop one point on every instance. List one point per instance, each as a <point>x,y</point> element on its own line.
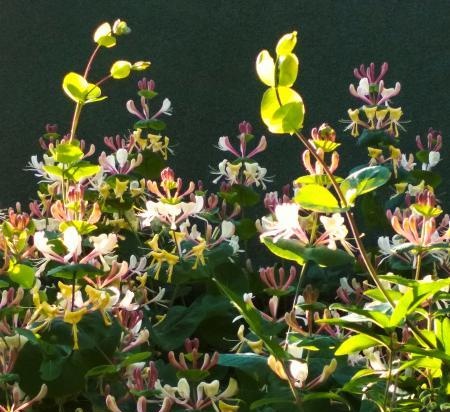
<point>102,370</point>
<point>135,357</point>
<point>54,171</point>
<point>356,343</point>
<point>286,249</point>
<point>120,69</point>
<point>148,94</point>
<point>372,138</point>
<point>153,124</point>
<point>321,180</point>
<point>78,270</point>
<point>265,67</point>
<point>415,296</point>
<point>243,195</point>
<point>24,275</point>
<point>286,44</point>
<point>292,250</point>
<point>67,153</point>
<point>82,170</point>
<point>245,228</point>
<point>443,333</point>
<point>250,363</point>
<point>287,70</point>
<point>375,316</point>
<point>3,284</point>
<point>193,375</point>
<point>80,90</point>
<point>430,178</point>
<point>103,36</point>
<point>317,198</point>
<point>282,110</point>
<point>363,181</point>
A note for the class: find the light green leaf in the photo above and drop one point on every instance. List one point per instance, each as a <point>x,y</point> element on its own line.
<point>82,170</point>
<point>356,343</point>
<point>80,90</point>
<point>54,171</point>
<point>317,198</point>
<point>292,250</point>
<point>265,67</point>
<point>67,153</point>
<point>287,69</point>
<point>286,44</point>
<point>443,333</point>
<point>23,275</point>
<point>120,69</point>
<point>282,110</point>
<point>363,181</point>
<point>286,249</point>
<point>103,36</point>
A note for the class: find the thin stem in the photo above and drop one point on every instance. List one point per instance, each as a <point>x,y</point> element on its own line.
<point>297,398</point>
<point>297,290</point>
<point>75,119</point>
<point>418,265</point>
<point>103,80</point>
<point>352,223</point>
<point>90,61</point>
<point>350,220</point>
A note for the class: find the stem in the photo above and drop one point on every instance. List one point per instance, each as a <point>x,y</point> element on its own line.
<point>103,80</point>
<point>298,401</point>
<point>418,265</point>
<point>351,221</point>
<point>350,218</point>
<point>73,291</point>
<point>299,283</point>
<point>90,61</point>
<point>75,119</point>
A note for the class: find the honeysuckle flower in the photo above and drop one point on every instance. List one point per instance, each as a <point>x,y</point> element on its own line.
<point>433,141</point>
<point>335,229</point>
<point>394,120</point>
<point>284,225</point>
<point>20,402</point>
<point>255,174</point>
<point>407,163</point>
<point>433,159</point>
<point>71,240</point>
<point>171,214</point>
<point>354,122</point>
<point>119,163</point>
<point>74,317</point>
<point>267,276</point>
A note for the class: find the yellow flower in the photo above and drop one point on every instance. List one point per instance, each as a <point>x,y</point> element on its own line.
<point>120,188</point>
<point>394,117</point>
<point>374,153</point>
<point>100,301</point>
<point>370,114</point>
<point>74,318</point>
<point>354,117</point>
<point>197,251</point>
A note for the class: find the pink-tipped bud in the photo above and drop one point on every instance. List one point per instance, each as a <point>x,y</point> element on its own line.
<point>245,127</point>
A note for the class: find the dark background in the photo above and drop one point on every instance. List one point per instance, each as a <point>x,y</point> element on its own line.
<point>203,56</point>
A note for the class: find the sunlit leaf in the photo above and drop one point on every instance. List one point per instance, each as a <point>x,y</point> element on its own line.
<point>318,198</point>
<point>103,36</point>
<point>356,343</point>
<point>282,110</point>
<point>287,70</point>
<point>265,67</point>
<point>120,69</point>
<point>67,153</point>
<point>24,275</point>
<point>286,44</point>
<point>363,181</point>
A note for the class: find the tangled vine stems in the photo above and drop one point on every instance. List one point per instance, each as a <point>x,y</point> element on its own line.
<point>354,228</point>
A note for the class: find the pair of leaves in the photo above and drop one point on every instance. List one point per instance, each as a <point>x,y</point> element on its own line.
<point>80,90</point>
<point>319,199</point>
<point>282,108</point>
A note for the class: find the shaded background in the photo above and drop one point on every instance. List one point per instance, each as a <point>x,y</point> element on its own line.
<point>203,56</point>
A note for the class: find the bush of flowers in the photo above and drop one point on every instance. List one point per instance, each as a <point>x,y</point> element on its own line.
<point>125,288</point>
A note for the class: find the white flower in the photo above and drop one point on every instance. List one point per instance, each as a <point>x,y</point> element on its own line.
<point>104,243</point>
<point>122,157</point>
<point>299,371</point>
<point>227,229</point>
<point>285,225</point>
<point>433,159</point>
<point>335,229</point>
<point>363,87</point>
<point>72,241</point>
